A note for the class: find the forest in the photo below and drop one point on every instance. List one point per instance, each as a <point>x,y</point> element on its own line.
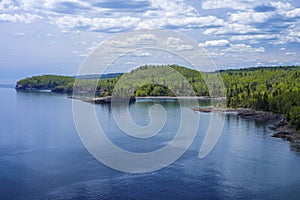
<point>45,82</point>
<point>274,89</point>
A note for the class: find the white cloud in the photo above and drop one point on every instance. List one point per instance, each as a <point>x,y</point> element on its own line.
<point>250,17</point>
<point>293,34</point>
<point>141,54</point>
<point>290,53</point>
<point>234,28</point>
<point>8,5</point>
<point>243,5</point>
<point>239,48</point>
<point>194,21</point>
<point>118,43</point>
<point>281,7</point>
<point>277,9</point>
<point>215,43</point>
<point>247,22</point>
<point>253,37</point>
<point>232,4</point>
<point>178,44</point>
<point>48,5</point>
<point>19,34</point>
<point>293,13</point>
<point>29,4</point>
<point>256,38</point>
<point>174,40</point>
<point>181,22</point>
<point>162,14</point>
<point>143,37</point>
<point>23,18</point>
<point>175,13</point>
<point>183,47</point>
<point>95,24</point>
<point>172,8</point>
<point>159,14</point>
<point>53,3</point>
<point>250,23</point>
<point>138,39</point>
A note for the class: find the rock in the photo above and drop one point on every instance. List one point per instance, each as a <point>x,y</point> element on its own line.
<point>273,128</point>
<point>280,125</point>
<point>283,135</point>
<point>108,99</point>
<point>205,110</point>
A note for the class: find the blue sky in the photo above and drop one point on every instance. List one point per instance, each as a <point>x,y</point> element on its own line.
<point>55,36</point>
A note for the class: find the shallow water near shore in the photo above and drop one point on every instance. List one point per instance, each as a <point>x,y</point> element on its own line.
<point>42,157</point>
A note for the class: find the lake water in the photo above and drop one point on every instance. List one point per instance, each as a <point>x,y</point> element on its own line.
<point>42,157</point>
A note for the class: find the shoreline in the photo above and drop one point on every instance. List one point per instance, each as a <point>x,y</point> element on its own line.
<point>183,97</point>
<point>108,99</point>
<point>279,123</point>
<point>104,100</point>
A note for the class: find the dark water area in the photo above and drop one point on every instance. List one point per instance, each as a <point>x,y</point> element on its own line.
<point>42,157</point>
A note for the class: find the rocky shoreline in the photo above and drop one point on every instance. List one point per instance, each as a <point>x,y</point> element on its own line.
<point>105,100</point>
<point>279,123</point>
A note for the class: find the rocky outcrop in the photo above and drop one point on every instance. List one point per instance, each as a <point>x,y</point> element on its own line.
<point>283,135</point>
<point>286,132</point>
<point>20,86</point>
<point>243,113</point>
<point>108,99</point>
<point>280,126</point>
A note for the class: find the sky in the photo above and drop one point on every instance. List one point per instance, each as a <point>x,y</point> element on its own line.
<point>56,36</point>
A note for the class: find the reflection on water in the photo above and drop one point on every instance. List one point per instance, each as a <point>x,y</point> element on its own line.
<point>41,156</point>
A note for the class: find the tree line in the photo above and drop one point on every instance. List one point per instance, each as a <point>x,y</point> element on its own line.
<point>275,89</point>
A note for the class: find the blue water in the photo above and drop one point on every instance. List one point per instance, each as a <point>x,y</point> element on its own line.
<point>42,157</point>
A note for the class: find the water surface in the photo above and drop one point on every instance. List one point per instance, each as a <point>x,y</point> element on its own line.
<point>42,157</point>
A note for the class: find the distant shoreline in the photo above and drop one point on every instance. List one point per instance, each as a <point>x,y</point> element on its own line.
<point>182,97</point>
<point>108,99</point>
